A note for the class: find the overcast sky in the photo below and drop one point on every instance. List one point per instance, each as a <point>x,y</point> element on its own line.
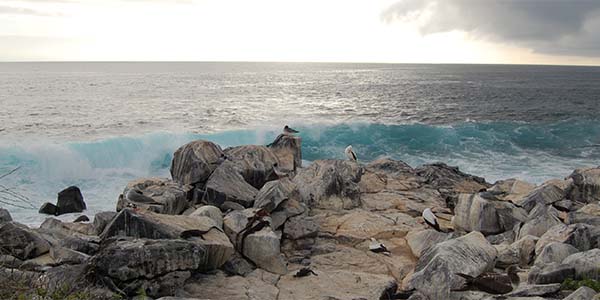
<point>414,31</point>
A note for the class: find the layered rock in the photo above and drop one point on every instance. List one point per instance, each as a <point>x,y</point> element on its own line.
<point>474,213</point>
<point>255,163</point>
<point>586,264</point>
<point>158,195</point>
<point>288,150</point>
<point>227,184</point>
<point>586,185</point>
<point>21,242</point>
<point>195,161</point>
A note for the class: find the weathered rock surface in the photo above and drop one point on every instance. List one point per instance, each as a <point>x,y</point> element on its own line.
<point>512,190</point>
<point>200,230</point>
<point>554,252</point>
<point>539,225</point>
<point>263,249</point>
<point>101,220</point>
<point>435,273</point>
<point>211,212</point>
<point>258,285</point>
<point>227,184</point>
<point>582,293</point>
<point>474,213</point>
<point>577,235</point>
<point>551,273</point>
<point>535,290</point>
<point>62,255</point>
<point>550,192</point>
<point>288,150</point>
<point>420,241</point>
<point>254,162</point>
<point>21,242</point>
<point>330,184</point>
<point>159,195</point>
<point>195,161</point>
<point>586,185</point>
<point>273,193</point>
<point>301,227</point>
<point>519,253</point>
<point>586,264</point>
<point>589,214</point>
<point>389,175</point>
<point>411,202</point>
<point>70,200</point>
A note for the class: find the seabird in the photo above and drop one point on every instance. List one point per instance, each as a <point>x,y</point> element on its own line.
<point>494,283</point>
<point>305,272</point>
<point>289,131</point>
<point>378,247</point>
<point>350,154</point>
<point>431,219</point>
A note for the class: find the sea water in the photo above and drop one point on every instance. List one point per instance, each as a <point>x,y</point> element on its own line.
<point>99,125</point>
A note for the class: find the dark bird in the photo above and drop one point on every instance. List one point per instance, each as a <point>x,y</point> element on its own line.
<point>378,247</point>
<point>289,131</point>
<point>305,272</point>
<point>494,283</point>
<point>431,219</point>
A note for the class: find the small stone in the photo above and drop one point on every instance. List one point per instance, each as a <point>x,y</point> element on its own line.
<point>70,200</point>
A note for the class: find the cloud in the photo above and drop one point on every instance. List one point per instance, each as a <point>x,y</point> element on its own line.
<point>9,10</point>
<point>563,27</point>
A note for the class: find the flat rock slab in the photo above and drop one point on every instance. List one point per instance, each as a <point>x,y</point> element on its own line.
<point>22,242</point>
<point>535,290</point>
<point>582,293</point>
<point>258,285</point>
<point>586,264</point>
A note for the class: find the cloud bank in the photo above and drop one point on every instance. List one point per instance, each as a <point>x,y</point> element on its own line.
<point>559,27</point>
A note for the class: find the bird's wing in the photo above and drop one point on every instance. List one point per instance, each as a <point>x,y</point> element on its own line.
<point>353,155</point>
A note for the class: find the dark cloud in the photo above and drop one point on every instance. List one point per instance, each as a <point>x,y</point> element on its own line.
<point>565,27</point>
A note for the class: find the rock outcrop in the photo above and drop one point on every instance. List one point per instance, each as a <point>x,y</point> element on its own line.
<point>158,195</point>
<point>195,161</point>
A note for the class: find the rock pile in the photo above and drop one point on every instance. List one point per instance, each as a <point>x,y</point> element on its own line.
<point>239,223</point>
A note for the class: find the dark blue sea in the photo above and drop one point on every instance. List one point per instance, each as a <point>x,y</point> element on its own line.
<point>99,125</point>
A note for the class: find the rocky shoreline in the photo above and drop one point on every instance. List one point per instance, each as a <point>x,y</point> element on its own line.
<point>250,222</point>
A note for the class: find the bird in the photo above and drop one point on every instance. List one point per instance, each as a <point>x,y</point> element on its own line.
<point>305,272</point>
<point>378,247</point>
<point>350,154</point>
<point>289,131</point>
<point>494,283</point>
<point>431,219</point>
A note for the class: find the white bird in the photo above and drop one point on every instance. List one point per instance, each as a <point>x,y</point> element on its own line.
<point>378,247</point>
<point>431,219</point>
<point>289,131</point>
<point>350,154</point>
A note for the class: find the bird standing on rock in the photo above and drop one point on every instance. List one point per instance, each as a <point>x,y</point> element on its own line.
<point>431,219</point>
<point>350,154</point>
<point>305,272</point>
<point>378,247</point>
<point>494,283</point>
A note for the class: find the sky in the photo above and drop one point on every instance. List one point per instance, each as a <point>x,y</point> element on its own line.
<point>391,31</point>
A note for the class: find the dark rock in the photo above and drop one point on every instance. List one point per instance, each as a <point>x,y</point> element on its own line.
<point>551,273</point>
<point>60,236</point>
<point>21,242</point>
<point>255,162</point>
<point>273,193</point>
<point>586,264</point>
<point>330,184</point>
<point>4,216</point>
<point>158,195</point>
<point>195,161</point>
<point>227,184</point>
<point>506,237</point>
<point>288,150</point>
<point>82,218</point>
<point>586,185</point>
<point>48,209</point>
<point>9,261</point>
<point>70,200</point>
<point>101,219</point>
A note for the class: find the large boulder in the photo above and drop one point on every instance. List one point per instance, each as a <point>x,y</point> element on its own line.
<point>159,195</point>
<point>70,200</point>
<point>586,264</point>
<point>199,230</point>
<point>435,273</point>
<point>255,162</point>
<point>101,219</point>
<point>4,216</point>
<point>421,240</point>
<point>227,184</point>
<point>48,209</point>
<point>512,190</point>
<point>474,213</point>
<point>195,161</point>
<point>589,214</point>
<point>288,150</point>
<point>273,193</point>
<point>554,252</point>
<point>586,185</point>
<point>520,252</point>
<point>210,211</point>
<point>301,227</point>
<point>263,249</point>
<point>539,225</point>
<point>21,242</point>
<point>577,235</point>
<point>550,192</point>
<point>330,184</point>
<point>131,259</point>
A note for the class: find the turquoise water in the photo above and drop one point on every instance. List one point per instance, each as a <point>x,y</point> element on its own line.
<point>495,150</point>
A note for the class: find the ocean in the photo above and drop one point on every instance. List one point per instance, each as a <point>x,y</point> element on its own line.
<point>99,125</point>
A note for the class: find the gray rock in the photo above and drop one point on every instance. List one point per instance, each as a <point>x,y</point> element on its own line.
<point>550,192</point>
<point>199,230</point>
<point>442,176</point>
<point>101,219</point>
<point>589,214</point>
<point>4,216</point>
<point>301,227</point>
<point>62,255</point>
<point>535,290</point>
<point>227,184</point>
<point>237,265</point>
<point>586,264</point>
<point>229,205</point>
<point>263,249</point>
<point>21,242</point>
<point>9,261</point>
<point>330,184</point>
<point>539,225</point>
<point>273,193</point>
<point>287,209</point>
<point>67,228</point>
<point>550,273</point>
<point>131,259</point>
<point>554,252</point>
<point>586,185</point>
<point>48,209</point>
<point>506,237</point>
<point>421,240</point>
<point>582,293</point>
<point>209,211</point>
<point>158,195</point>
<point>473,213</point>
<point>520,252</point>
<point>288,150</point>
<point>58,234</point>
<point>70,200</point>
<point>435,272</point>
<point>168,284</point>
<point>577,235</point>
<point>255,163</point>
<point>195,161</point>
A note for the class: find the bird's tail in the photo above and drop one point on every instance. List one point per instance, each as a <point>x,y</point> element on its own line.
<point>468,278</point>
